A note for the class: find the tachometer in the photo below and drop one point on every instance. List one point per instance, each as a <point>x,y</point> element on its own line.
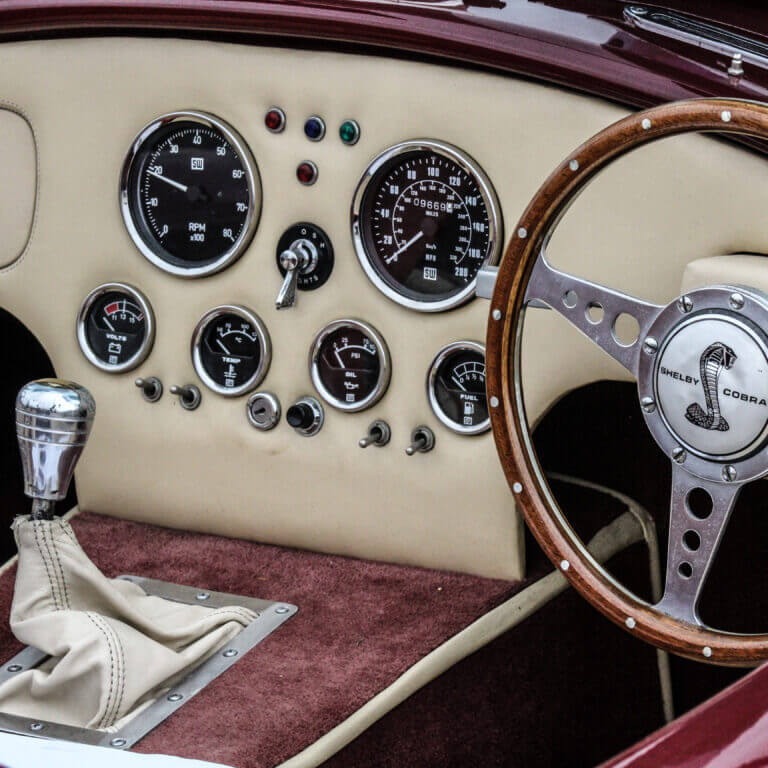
<point>425,218</point>
<point>115,327</point>
<point>190,193</point>
<point>349,364</point>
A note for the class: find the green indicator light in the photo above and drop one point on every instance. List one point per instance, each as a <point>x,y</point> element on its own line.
<point>349,132</point>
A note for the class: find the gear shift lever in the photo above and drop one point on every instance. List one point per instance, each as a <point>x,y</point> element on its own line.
<point>53,421</point>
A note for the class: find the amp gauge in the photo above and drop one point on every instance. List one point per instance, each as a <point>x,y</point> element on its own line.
<point>349,365</point>
<point>231,350</point>
<point>456,388</point>
<point>115,327</point>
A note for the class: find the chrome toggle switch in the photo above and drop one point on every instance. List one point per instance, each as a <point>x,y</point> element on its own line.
<point>422,441</point>
<point>189,396</point>
<point>379,434</point>
<point>299,259</point>
<point>53,421</point>
<point>151,388</point>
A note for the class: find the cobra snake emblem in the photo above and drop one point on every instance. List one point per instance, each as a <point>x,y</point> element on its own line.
<point>714,359</point>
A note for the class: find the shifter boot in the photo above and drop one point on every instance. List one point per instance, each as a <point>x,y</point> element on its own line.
<point>111,645</point>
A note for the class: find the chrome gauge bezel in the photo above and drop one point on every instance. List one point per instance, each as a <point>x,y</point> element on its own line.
<point>149,321</point>
<point>440,357</point>
<point>149,249</point>
<point>495,224</point>
<point>385,365</point>
<point>264,340</point>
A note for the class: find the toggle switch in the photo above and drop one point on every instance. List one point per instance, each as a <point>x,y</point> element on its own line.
<point>305,260</point>
<point>189,396</point>
<point>306,416</point>
<point>379,434</point>
<point>151,388</point>
<point>422,441</point>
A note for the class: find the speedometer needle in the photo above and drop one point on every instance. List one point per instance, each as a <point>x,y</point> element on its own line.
<point>404,247</point>
<point>173,183</point>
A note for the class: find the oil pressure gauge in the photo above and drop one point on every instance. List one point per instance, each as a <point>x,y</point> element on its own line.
<point>349,364</point>
<point>231,350</point>
<point>456,388</point>
<point>115,327</point>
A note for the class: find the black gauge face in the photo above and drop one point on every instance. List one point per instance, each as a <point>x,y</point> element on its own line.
<point>425,225</point>
<point>115,328</point>
<point>190,195</point>
<point>230,351</point>
<point>458,391</point>
<point>348,366</point>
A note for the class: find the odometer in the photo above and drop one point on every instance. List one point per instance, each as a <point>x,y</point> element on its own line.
<point>425,219</point>
<point>190,193</point>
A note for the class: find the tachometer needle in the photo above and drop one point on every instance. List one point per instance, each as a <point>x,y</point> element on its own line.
<point>404,247</point>
<point>218,341</point>
<point>173,183</point>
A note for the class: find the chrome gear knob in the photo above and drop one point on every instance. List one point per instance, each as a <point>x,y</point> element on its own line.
<point>53,421</point>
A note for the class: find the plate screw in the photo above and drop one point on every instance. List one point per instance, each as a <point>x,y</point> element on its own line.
<point>684,304</point>
<point>36,726</point>
<point>648,404</point>
<point>736,301</point>
<point>202,596</point>
<point>650,346</point>
<point>118,742</point>
<point>729,473</point>
<point>175,697</point>
<point>281,609</point>
<point>15,668</point>
<point>229,653</point>
<point>679,455</point>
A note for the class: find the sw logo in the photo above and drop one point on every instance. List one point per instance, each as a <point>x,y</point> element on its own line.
<point>714,359</point>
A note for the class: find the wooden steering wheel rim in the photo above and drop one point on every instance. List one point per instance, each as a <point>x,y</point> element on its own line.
<point>508,420</point>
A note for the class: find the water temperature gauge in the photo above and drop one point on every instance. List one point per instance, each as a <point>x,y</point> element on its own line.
<point>456,388</point>
<point>349,364</point>
<point>231,350</point>
<point>115,327</point>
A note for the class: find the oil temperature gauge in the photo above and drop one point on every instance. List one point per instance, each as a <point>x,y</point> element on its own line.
<point>231,350</point>
<point>115,327</point>
<point>349,365</point>
<point>456,388</point>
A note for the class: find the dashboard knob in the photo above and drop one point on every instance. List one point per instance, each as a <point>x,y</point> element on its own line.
<point>422,441</point>
<point>306,416</point>
<point>379,434</point>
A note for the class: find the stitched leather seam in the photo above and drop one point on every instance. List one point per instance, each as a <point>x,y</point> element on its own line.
<point>36,532</point>
<point>61,573</point>
<point>123,676</point>
<point>242,613</point>
<point>110,694</point>
<point>44,531</point>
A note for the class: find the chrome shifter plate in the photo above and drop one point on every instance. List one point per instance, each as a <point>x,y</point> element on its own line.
<point>270,615</point>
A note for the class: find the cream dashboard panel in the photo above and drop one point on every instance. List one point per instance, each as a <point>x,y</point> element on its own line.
<point>209,470</point>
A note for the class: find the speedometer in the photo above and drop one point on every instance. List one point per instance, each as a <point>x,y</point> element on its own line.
<point>190,193</point>
<point>425,219</point>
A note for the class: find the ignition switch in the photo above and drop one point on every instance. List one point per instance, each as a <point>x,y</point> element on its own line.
<point>305,259</point>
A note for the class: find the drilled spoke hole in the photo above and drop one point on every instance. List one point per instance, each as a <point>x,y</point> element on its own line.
<point>570,299</point>
<point>699,503</point>
<point>691,540</point>
<point>685,570</point>
<point>595,312</point>
<point>625,329</point>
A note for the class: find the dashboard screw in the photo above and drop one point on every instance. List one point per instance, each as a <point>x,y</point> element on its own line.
<point>729,473</point>
<point>679,455</point>
<point>648,404</point>
<point>736,301</point>
<point>684,304</point>
<point>650,346</point>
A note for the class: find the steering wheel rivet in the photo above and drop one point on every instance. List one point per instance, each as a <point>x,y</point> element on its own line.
<point>650,346</point>
<point>679,455</point>
<point>729,473</point>
<point>648,404</point>
<point>522,233</point>
<point>684,304</point>
<point>574,165</point>
<point>725,116</point>
<point>707,651</point>
<point>494,402</point>
<point>517,487</point>
<point>630,622</point>
<point>564,565</point>
<point>646,123</point>
<point>496,314</point>
<point>736,301</point>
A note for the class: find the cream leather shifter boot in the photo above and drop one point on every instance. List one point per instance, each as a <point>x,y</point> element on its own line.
<point>111,646</point>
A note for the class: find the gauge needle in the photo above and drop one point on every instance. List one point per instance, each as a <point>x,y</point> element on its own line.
<point>459,384</point>
<point>109,325</point>
<point>338,357</point>
<point>173,183</point>
<point>218,341</point>
<point>404,247</point>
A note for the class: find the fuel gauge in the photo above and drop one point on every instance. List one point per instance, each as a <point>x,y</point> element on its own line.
<point>456,388</point>
<point>115,327</point>
<point>349,364</point>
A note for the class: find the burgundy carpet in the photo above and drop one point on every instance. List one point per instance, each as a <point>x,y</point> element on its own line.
<point>360,626</point>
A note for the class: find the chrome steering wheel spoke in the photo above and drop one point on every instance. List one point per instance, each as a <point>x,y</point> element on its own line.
<point>699,511</point>
<point>594,309</point>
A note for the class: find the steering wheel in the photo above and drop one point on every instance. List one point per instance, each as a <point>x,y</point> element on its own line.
<point>701,365</point>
